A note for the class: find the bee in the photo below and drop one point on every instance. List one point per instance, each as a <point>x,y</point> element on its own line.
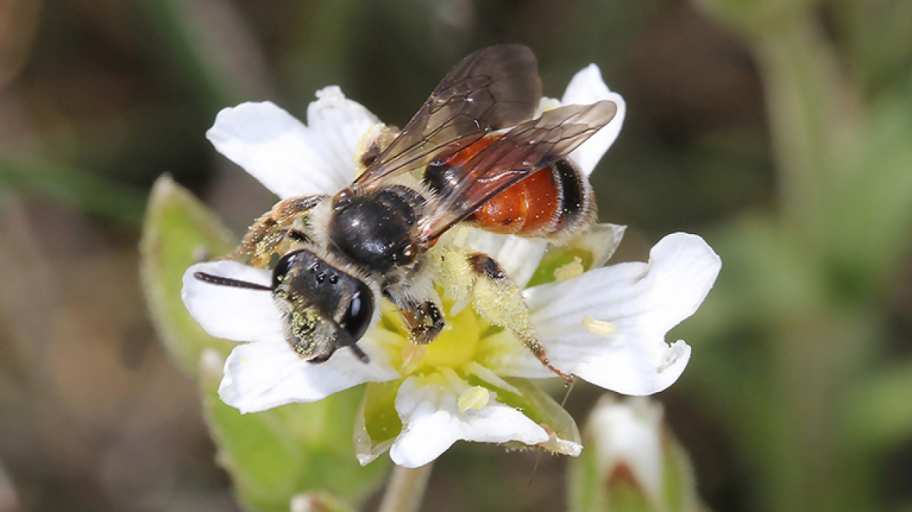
<point>472,154</point>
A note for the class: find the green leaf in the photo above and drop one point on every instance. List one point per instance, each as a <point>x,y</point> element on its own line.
<point>877,412</point>
<point>178,231</point>
<point>278,454</point>
<point>870,207</point>
<point>274,455</point>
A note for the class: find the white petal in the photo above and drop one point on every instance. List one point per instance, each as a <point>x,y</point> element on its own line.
<point>431,422</point>
<point>588,87</point>
<point>286,156</point>
<point>263,375</point>
<point>642,300</point>
<point>518,256</point>
<point>546,104</point>
<point>230,312</point>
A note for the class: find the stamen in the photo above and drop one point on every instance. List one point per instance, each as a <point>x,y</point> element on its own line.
<point>476,397</point>
<point>599,327</point>
<point>492,378</point>
<point>570,270</point>
<point>412,355</point>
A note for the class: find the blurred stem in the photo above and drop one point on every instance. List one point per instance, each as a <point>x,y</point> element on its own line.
<point>210,42</point>
<point>118,202</point>
<point>406,489</point>
<point>810,114</point>
<point>808,463</point>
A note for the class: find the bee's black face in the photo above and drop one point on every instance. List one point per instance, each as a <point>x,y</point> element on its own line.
<point>325,308</point>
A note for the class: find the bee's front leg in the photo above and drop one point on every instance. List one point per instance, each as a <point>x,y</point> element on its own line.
<point>276,230</point>
<point>424,321</point>
<point>418,304</point>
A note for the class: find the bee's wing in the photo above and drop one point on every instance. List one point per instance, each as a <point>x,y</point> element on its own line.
<point>528,147</point>
<point>488,90</point>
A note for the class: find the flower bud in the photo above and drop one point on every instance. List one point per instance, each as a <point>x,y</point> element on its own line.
<point>318,502</point>
<point>631,462</point>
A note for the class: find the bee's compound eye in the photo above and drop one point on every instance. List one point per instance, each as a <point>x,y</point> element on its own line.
<point>357,317</point>
<point>288,262</point>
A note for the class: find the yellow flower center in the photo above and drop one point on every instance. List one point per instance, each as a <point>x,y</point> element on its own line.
<point>455,347</point>
<point>456,344</point>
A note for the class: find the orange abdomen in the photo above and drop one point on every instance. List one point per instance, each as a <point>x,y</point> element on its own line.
<point>554,201</point>
<point>530,207</point>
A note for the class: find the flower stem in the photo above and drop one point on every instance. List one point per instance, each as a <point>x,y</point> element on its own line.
<point>406,488</point>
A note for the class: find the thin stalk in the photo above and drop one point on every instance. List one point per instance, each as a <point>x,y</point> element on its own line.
<point>406,489</point>
<point>813,118</point>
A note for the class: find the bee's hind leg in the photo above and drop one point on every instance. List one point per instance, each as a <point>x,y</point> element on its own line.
<point>495,296</point>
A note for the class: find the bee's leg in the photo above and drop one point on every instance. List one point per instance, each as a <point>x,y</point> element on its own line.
<point>258,244</point>
<point>423,320</point>
<point>274,231</point>
<point>419,306</point>
<point>499,301</point>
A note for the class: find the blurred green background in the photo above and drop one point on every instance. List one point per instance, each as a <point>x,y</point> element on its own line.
<point>780,130</point>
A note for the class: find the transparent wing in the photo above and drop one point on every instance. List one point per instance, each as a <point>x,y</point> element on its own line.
<point>488,90</point>
<point>528,147</point>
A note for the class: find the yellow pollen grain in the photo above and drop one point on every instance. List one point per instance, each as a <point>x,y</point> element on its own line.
<point>570,270</point>
<point>599,327</point>
<point>476,397</point>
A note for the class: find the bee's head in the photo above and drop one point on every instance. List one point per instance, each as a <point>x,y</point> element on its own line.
<point>324,307</point>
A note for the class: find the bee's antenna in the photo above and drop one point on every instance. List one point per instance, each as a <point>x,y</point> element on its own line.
<point>344,339</point>
<point>227,281</point>
<point>360,354</point>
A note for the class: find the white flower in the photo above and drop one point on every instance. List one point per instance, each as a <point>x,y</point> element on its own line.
<point>462,385</point>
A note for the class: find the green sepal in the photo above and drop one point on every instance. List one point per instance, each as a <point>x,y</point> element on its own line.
<point>553,260</point>
<point>377,423</point>
<point>679,488</point>
<point>178,231</point>
<point>627,496</point>
<point>538,406</point>
<point>584,482</point>
<point>593,248</point>
<point>275,455</point>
